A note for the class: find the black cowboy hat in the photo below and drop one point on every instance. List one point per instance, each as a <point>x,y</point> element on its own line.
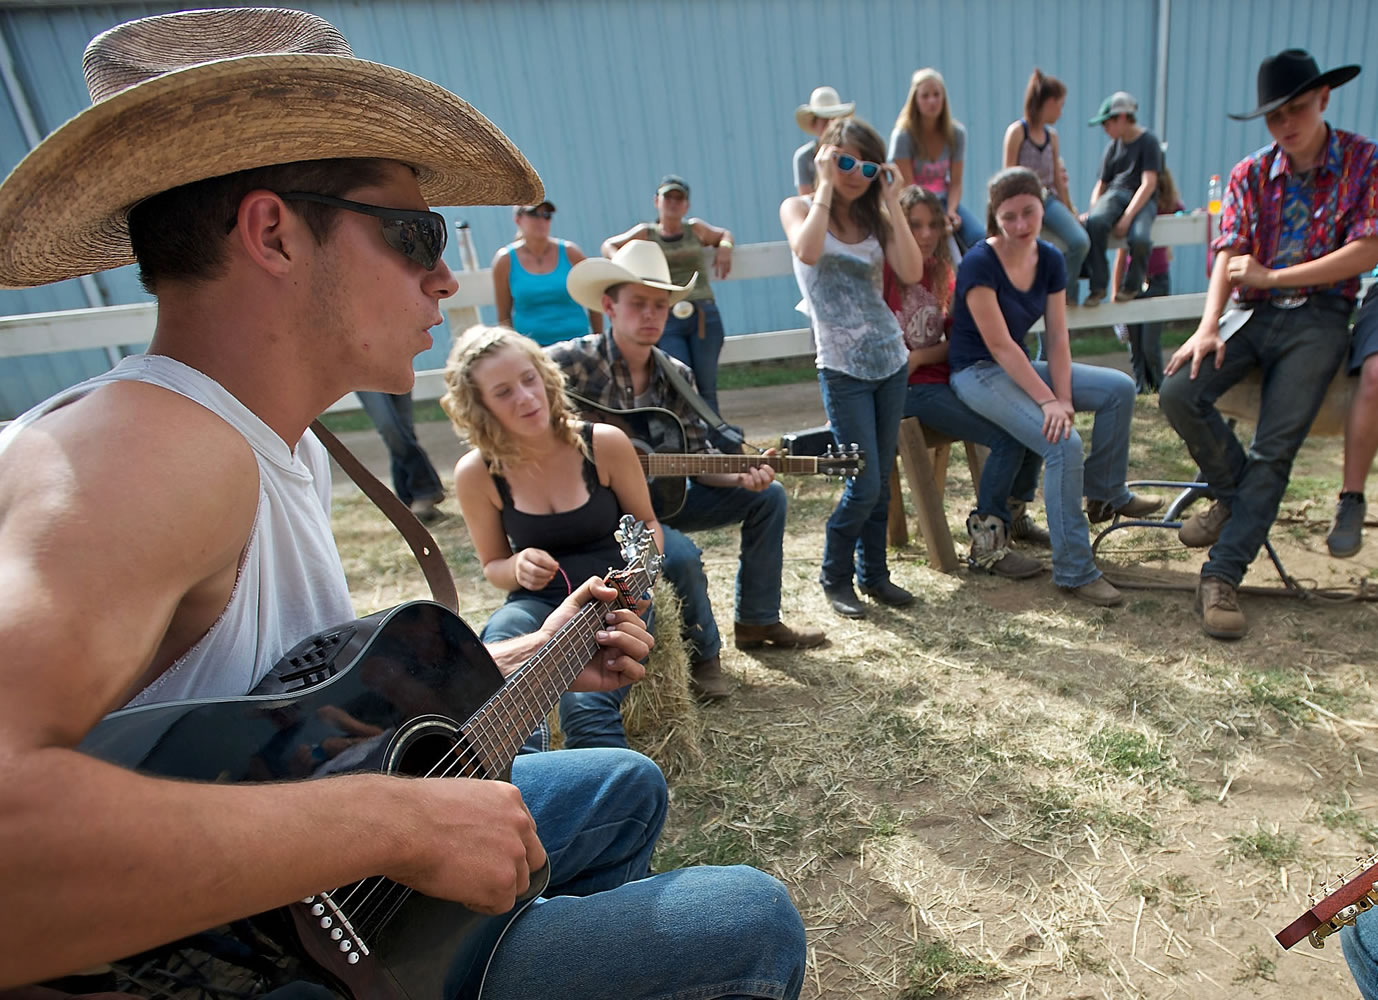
<point>1288,74</point>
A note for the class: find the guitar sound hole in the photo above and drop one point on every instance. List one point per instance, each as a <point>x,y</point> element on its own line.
<point>435,750</point>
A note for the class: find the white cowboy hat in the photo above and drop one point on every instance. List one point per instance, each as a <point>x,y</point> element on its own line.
<point>187,96</point>
<point>639,262</point>
<point>823,103</point>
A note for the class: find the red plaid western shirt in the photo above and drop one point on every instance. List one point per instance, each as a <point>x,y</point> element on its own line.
<point>1344,207</point>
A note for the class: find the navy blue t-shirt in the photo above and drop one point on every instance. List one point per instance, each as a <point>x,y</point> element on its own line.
<point>981,268</point>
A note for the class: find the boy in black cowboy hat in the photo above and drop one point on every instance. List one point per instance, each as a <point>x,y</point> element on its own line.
<point>165,535</point>
<point>1299,225</point>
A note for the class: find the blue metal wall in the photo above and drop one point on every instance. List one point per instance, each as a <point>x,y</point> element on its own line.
<point>604,96</point>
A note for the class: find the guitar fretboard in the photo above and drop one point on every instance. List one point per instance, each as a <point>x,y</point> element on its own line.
<point>657,464</point>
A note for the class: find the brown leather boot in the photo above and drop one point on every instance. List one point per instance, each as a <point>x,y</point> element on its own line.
<point>707,680</point>
<point>991,553</point>
<point>777,634</point>
<point>1217,602</point>
<point>1203,528</point>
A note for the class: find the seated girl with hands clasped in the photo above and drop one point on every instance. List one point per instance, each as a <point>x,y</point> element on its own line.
<point>541,493</point>
<point>1005,284</point>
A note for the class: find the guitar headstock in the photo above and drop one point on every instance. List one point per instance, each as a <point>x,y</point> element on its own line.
<point>1342,899</point>
<point>845,462</point>
<point>638,545</point>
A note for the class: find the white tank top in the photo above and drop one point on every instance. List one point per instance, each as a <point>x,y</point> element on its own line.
<point>290,582</point>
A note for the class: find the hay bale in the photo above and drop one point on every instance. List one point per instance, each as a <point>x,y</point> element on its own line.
<point>660,715</point>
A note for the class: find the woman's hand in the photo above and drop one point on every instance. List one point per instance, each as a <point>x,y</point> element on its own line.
<point>824,164</point>
<point>954,220</point>
<point>891,184</point>
<point>1057,420</point>
<point>534,568</point>
<point>722,262</point>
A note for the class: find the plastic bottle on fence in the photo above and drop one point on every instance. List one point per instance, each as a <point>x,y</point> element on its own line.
<point>1213,195</point>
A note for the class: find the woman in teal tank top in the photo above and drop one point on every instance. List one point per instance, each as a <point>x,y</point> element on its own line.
<point>529,281</point>
<point>694,331</point>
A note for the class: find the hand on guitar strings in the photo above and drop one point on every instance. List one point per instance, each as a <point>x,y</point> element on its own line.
<point>624,641</point>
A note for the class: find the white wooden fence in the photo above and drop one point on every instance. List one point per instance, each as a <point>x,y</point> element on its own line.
<point>79,329</point>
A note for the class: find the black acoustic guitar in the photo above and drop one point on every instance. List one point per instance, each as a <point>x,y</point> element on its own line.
<point>410,691</point>
<point>659,438</point>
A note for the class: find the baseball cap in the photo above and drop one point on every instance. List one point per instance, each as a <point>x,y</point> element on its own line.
<point>673,182</point>
<point>1119,103</point>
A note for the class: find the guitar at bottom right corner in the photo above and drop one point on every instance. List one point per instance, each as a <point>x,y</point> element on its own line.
<point>1356,893</point>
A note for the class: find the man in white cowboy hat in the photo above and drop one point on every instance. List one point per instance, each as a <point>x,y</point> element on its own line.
<point>1299,226</point>
<point>823,109</point>
<point>622,368</point>
<point>165,535</point>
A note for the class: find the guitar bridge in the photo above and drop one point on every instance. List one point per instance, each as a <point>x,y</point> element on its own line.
<point>313,660</point>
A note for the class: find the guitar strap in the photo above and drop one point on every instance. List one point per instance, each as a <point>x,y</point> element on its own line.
<point>695,401</point>
<point>423,546</point>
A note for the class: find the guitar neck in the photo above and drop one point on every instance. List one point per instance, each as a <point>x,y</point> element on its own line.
<point>658,464</point>
<point>501,726</point>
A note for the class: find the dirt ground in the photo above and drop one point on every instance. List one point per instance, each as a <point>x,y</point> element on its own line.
<point>1004,792</point>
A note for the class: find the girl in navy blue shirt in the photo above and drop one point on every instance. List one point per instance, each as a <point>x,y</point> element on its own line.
<point>1005,284</point>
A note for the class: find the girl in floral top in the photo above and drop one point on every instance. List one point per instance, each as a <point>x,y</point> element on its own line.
<point>922,309</point>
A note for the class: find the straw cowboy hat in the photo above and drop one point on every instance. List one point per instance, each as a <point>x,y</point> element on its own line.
<point>187,96</point>
<point>823,103</point>
<point>1290,74</point>
<point>639,262</point>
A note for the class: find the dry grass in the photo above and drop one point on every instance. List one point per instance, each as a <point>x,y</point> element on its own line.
<point>1002,792</point>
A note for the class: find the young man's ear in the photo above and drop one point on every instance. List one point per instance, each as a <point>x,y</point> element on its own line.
<point>267,232</point>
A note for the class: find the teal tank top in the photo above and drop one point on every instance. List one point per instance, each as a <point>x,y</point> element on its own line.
<point>541,306</point>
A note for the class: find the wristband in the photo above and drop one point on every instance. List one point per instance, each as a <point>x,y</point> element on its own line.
<point>1046,402</point>
<point>726,244</point>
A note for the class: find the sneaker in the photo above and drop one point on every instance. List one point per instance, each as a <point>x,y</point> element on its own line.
<point>1093,298</point>
<point>889,593</point>
<point>1217,602</point>
<point>777,634</point>
<point>1023,528</point>
<point>1099,591</point>
<point>1135,507</point>
<point>425,509</point>
<point>707,681</point>
<point>1203,529</point>
<point>990,551</point>
<point>844,600</point>
<point>1346,536</point>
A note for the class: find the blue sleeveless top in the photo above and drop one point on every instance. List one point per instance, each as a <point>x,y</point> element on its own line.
<point>541,306</point>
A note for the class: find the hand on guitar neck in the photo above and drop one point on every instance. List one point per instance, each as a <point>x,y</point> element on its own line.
<point>755,478</point>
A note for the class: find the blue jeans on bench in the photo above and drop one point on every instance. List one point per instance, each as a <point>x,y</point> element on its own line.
<point>1299,351</point>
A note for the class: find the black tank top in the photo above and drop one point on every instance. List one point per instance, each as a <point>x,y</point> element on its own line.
<point>581,540</point>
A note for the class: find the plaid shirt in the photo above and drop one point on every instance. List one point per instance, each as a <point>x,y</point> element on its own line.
<point>596,370</point>
<point>1344,208</point>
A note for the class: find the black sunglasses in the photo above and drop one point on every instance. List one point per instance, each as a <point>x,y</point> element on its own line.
<point>540,213</point>
<point>418,236</point>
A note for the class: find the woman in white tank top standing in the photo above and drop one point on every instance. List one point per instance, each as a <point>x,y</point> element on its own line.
<point>841,237</point>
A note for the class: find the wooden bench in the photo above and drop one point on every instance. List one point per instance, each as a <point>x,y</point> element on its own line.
<point>925,453</point>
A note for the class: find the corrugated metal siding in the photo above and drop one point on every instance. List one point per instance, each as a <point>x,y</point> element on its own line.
<point>604,96</point>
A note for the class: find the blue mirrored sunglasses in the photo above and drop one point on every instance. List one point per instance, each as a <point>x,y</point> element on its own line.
<point>418,236</point>
<point>847,163</point>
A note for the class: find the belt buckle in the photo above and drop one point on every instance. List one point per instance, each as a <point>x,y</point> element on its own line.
<point>1288,301</point>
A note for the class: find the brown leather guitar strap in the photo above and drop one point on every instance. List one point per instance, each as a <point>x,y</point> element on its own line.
<point>423,546</point>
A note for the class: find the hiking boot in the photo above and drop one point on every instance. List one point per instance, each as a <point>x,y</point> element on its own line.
<point>1126,295</point>
<point>1093,298</point>
<point>991,553</point>
<point>1217,602</point>
<point>1023,527</point>
<point>1203,529</point>
<point>889,593</point>
<point>425,509</point>
<point>844,600</point>
<point>1134,508</point>
<point>1099,591</point>
<point>777,634</point>
<point>1346,536</point>
<point>707,681</point>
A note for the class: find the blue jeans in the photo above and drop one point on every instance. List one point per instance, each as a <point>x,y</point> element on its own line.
<point>1011,470</point>
<point>1145,341</point>
<point>1109,394</point>
<point>1068,233</point>
<point>681,340</point>
<point>865,413</point>
<point>1102,218</point>
<point>1299,351</point>
<point>413,476</point>
<point>587,718</point>
<point>762,517</point>
<point>1360,944</point>
<point>605,929</point>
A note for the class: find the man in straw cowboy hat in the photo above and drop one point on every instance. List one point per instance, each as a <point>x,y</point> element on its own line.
<point>622,368</point>
<point>164,532</point>
<point>823,108</point>
<point>1299,225</point>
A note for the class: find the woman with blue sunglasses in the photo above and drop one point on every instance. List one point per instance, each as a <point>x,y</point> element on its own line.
<point>842,236</point>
